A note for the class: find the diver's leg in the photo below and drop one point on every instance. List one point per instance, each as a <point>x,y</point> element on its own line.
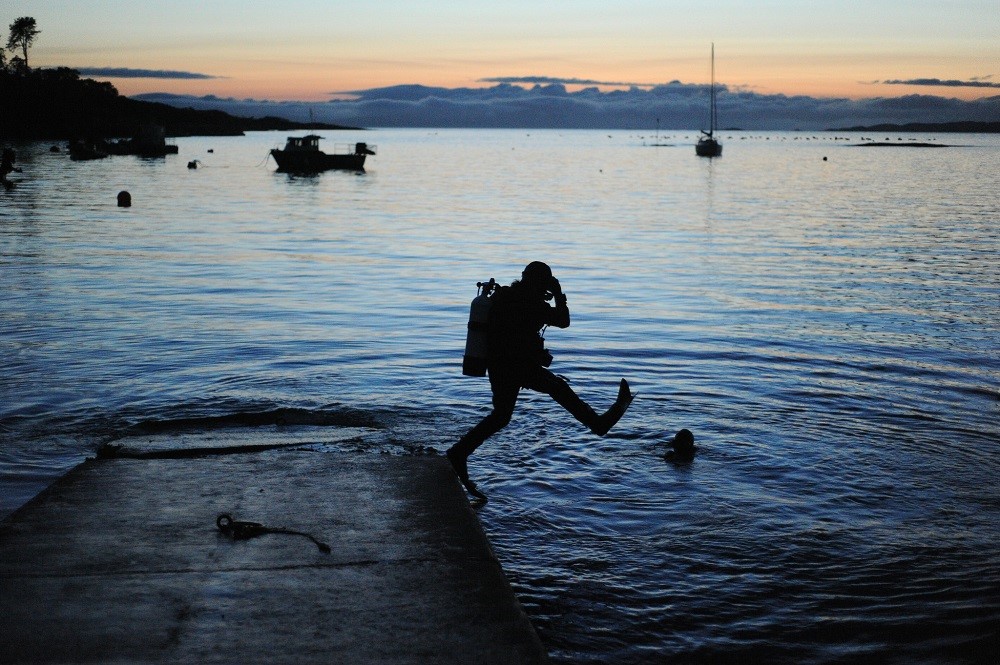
<point>545,381</point>
<point>505,390</point>
<point>504,399</point>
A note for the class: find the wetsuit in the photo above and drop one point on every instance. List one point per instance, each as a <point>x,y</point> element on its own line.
<point>516,359</point>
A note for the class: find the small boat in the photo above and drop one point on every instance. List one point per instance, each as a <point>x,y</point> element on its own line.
<point>83,151</point>
<point>708,145</point>
<point>149,141</point>
<point>302,155</point>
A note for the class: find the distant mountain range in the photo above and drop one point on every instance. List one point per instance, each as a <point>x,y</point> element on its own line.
<point>672,106</point>
<point>58,104</point>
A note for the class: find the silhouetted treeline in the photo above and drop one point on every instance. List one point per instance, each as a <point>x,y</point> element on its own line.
<point>962,127</point>
<point>58,104</point>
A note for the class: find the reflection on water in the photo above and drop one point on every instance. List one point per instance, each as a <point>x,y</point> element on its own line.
<point>827,330</point>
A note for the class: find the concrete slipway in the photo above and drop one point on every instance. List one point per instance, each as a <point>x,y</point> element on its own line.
<point>122,561</point>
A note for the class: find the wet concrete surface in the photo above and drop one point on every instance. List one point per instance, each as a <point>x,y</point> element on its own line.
<point>122,561</point>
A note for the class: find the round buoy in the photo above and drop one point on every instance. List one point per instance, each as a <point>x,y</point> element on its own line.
<point>124,199</point>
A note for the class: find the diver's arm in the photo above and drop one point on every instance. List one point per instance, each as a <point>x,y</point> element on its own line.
<point>559,313</point>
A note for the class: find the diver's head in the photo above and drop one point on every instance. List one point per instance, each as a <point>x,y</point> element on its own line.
<point>537,272</point>
<point>537,276</point>
<point>683,442</point>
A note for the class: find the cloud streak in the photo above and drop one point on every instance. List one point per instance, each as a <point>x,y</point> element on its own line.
<point>674,105</point>
<point>552,80</point>
<point>128,73</point>
<point>975,82</point>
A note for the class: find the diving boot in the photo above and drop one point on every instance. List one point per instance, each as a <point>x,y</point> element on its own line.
<point>606,421</point>
<point>461,467</point>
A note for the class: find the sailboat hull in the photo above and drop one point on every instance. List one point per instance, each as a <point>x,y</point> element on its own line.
<point>708,148</point>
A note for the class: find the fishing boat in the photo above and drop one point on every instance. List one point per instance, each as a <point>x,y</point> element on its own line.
<point>708,145</point>
<point>302,155</point>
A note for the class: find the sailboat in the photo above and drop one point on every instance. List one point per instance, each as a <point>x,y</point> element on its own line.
<point>708,145</point>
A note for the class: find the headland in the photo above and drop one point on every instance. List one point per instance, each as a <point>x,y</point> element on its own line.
<point>57,104</point>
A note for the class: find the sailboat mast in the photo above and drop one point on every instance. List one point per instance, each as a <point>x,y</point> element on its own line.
<point>712,127</point>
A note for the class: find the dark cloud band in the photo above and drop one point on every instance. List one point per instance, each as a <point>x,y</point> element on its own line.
<point>944,83</point>
<point>127,73</point>
<point>551,80</point>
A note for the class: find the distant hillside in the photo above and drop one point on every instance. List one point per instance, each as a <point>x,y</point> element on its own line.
<point>58,104</point>
<point>963,127</point>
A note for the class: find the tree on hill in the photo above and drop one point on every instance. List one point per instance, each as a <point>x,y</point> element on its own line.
<point>22,34</point>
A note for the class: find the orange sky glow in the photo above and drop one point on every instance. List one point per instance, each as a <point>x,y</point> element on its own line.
<point>302,50</point>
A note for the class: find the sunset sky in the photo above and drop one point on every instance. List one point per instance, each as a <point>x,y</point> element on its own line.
<point>308,50</point>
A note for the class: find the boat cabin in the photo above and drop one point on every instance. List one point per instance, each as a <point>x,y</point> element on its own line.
<point>310,142</point>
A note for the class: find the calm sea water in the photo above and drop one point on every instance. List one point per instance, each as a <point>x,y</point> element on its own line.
<point>828,329</point>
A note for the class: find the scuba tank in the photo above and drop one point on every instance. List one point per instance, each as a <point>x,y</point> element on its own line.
<point>474,360</point>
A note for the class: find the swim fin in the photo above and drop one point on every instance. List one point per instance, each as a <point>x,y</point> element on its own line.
<point>611,417</point>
